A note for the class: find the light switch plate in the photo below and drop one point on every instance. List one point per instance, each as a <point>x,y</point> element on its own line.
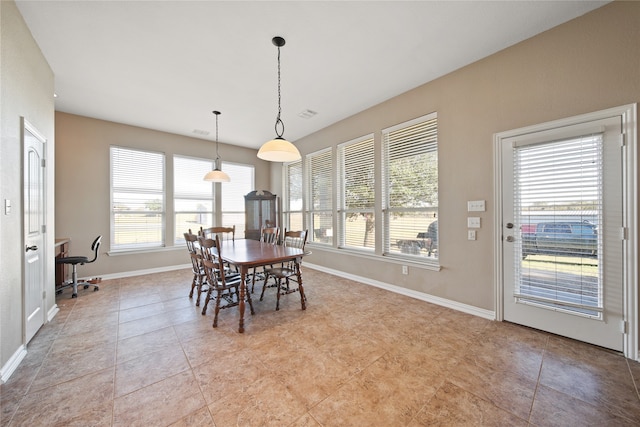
<point>475,206</point>
<point>471,234</point>
<point>473,222</point>
<point>7,206</point>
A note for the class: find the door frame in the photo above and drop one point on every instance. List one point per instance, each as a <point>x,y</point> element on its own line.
<point>628,115</point>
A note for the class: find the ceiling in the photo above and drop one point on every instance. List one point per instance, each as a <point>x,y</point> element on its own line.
<point>166,65</point>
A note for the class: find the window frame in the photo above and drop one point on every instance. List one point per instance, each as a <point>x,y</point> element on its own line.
<point>366,142</point>
<point>410,247</point>
<point>113,190</point>
<point>179,237</point>
<point>315,234</point>
<point>223,215</point>
<point>287,211</point>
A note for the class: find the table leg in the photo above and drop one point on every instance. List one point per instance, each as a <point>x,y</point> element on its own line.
<point>303,299</point>
<point>243,287</point>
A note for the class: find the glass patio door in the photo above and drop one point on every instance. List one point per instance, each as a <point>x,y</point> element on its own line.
<point>562,244</point>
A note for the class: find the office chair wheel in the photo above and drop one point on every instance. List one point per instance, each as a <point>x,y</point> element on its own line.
<point>74,295</point>
<point>86,286</point>
<point>96,289</point>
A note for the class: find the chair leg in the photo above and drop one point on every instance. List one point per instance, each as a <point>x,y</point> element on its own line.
<point>74,277</point>
<point>278,284</point>
<point>215,316</point>
<point>199,284</point>
<point>193,285</point>
<point>264,284</point>
<point>207,299</point>
<point>249,301</point>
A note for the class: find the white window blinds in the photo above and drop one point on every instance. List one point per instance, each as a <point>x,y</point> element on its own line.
<point>292,212</point>
<point>357,194</point>
<point>193,197</point>
<point>233,192</point>
<point>558,217</point>
<point>410,188</point>
<point>320,191</point>
<point>137,199</point>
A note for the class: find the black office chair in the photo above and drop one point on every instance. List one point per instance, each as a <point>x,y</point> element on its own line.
<point>74,261</point>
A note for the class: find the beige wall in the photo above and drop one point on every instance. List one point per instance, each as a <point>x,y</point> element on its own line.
<point>83,185</point>
<point>26,83</point>
<point>588,64</point>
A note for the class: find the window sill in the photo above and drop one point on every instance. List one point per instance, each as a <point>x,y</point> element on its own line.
<point>145,251</point>
<point>427,264</point>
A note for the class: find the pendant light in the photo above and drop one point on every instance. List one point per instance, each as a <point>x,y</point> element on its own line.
<point>279,149</point>
<point>217,175</point>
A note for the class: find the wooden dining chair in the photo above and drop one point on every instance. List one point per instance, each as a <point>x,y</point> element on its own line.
<point>270,236</point>
<point>288,271</point>
<point>224,286</point>
<point>197,268</point>
<point>224,233</point>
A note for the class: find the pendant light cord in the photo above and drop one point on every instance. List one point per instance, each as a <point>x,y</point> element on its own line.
<point>217,155</point>
<point>278,120</point>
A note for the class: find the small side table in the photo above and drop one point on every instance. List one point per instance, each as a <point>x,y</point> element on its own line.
<point>61,250</point>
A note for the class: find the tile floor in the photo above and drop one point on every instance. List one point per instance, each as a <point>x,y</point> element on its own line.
<point>138,353</point>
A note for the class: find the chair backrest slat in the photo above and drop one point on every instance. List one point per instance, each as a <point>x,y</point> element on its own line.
<point>294,239</point>
<point>224,233</point>
<point>270,235</point>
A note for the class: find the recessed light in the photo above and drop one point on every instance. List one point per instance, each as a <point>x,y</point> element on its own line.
<point>307,114</point>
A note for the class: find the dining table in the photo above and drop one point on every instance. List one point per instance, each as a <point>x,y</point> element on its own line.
<point>246,254</point>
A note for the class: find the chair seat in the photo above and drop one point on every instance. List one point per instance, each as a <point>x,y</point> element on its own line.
<point>281,271</point>
<point>72,260</point>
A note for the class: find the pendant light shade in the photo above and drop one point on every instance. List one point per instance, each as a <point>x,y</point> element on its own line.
<point>279,149</point>
<point>217,175</point>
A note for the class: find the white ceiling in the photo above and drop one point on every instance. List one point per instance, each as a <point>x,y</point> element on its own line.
<point>166,65</point>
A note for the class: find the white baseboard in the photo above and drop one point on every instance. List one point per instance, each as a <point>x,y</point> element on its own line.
<point>13,363</point>
<point>52,312</point>
<point>465,308</point>
<point>139,272</point>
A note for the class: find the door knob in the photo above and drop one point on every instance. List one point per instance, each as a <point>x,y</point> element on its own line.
<point>31,248</point>
<point>509,225</point>
<point>510,239</point>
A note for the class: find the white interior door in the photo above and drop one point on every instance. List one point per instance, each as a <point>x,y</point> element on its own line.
<point>562,228</point>
<point>34,227</point>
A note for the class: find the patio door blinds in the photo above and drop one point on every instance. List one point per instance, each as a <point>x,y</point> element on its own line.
<point>558,194</point>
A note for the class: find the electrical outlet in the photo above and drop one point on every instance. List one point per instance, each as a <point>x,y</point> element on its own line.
<point>405,269</point>
<point>471,235</point>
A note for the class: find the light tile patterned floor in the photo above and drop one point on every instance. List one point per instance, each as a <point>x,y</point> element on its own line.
<point>139,353</point>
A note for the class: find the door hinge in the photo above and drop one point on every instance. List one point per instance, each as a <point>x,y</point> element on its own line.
<point>623,233</point>
<point>43,163</point>
<point>623,139</point>
<point>44,294</point>
<point>623,326</point>
<point>44,229</point>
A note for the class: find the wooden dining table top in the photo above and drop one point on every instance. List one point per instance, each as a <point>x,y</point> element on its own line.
<point>251,253</point>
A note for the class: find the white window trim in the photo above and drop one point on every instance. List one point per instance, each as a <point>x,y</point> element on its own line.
<point>340,196</point>
<point>431,262</point>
